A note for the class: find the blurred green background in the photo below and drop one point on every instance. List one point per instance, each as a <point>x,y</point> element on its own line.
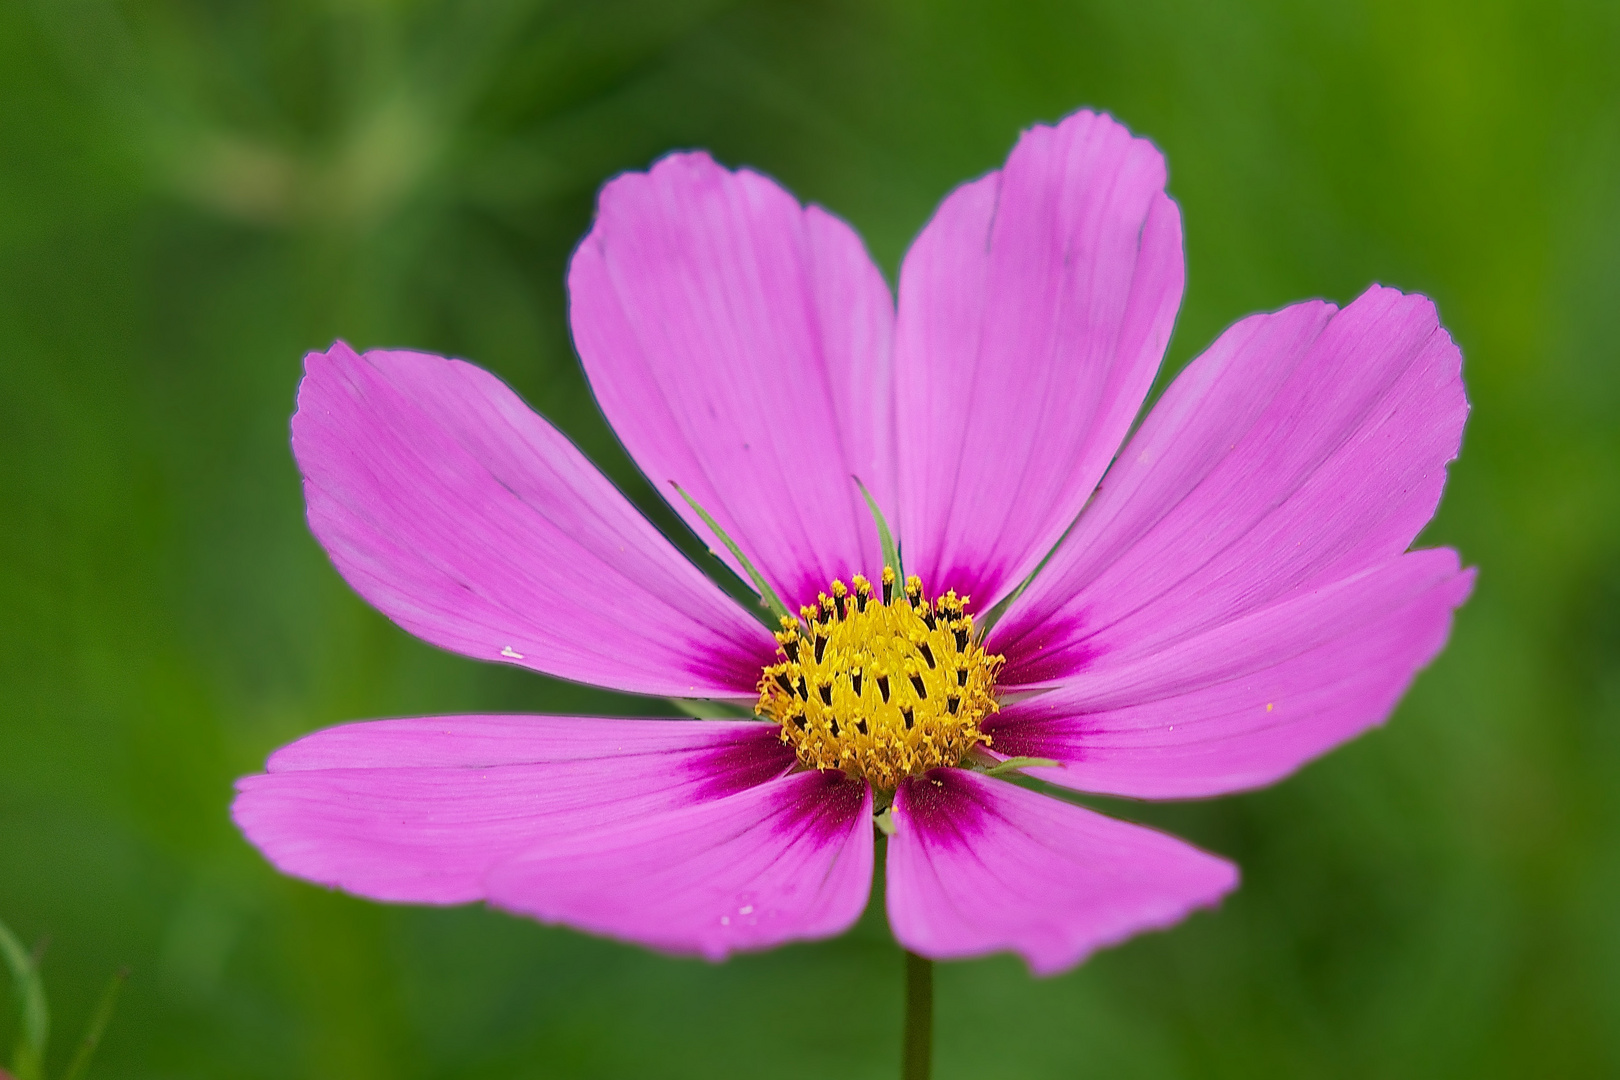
<point>193,194</point>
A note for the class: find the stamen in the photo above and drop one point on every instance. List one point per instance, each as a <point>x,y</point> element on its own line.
<point>927,718</point>
<point>863,593</point>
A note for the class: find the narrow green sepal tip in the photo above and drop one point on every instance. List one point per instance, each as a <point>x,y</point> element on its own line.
<point>891,554</point>
<point>707,709</point>
<point>767,596</point>
<point>1014,764</point>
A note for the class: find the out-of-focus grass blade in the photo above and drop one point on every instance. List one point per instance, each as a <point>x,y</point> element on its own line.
<point>98,1027</point>
<point>28,1060</point>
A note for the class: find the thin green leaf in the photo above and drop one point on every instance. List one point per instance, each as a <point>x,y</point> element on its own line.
<point>891,554</point>
<point>1014,764</point>
<point>97,1028</point>
<point>28,1060</point>
<point>767,595</point>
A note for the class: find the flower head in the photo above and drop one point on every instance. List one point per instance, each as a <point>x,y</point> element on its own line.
<point>880,686</point>
<point>1201,611</point>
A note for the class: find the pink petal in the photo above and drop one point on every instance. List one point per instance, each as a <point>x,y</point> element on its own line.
<point>1247,702</point>
<point>1302,448</point>
<point>740,346</point>
<point>978,866</point>
<point>789,860</point>
<point>422,810</point>
<point>1034,310</point>
<point>471,522</point>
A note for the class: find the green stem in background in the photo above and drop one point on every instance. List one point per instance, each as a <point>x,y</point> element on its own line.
<point>28,1059</point>
<point>918,1058</point>
<point>97,1028</point>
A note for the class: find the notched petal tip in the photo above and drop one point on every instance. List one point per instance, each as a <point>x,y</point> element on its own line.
<point>421,810</point>
<point>739,344</point>
<point>473,523</point>
<point>1248,702</point>
<point>1301,448</point>
<point>1053,281</point>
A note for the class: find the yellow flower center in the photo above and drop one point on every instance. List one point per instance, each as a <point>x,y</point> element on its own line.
<point>880,686</point>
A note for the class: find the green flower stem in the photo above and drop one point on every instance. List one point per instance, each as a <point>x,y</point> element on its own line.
<point>918,1059</point>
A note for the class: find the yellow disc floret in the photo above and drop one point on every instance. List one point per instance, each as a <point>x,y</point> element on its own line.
<point>883,687</point>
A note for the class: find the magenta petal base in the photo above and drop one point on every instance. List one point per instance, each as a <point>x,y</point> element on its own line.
<point>789,860</point>
<point>977,866</point>
<point>422,810</point>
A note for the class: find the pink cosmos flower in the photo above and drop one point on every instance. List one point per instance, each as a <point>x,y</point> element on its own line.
<point>1220,601</point>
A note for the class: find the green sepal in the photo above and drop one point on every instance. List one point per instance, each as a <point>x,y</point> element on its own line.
<point>707,709</point>
<point>885,821</point>
<point>891,554</point>
<point>1014,764</point>
<point>767,596</point>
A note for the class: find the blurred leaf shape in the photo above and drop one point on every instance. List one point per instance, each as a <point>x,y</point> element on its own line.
<point>337,114</point>
<point>28,1057</point>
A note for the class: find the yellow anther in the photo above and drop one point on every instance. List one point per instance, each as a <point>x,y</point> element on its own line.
<point>890,689</point>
